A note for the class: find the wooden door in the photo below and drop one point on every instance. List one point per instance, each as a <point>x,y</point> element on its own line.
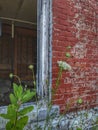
<point>25,52</point>
<point>18,53</point>
<point>6,49</point>
<point>15,56</point>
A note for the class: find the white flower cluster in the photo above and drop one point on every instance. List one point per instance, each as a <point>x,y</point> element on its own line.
<point>64,65</point>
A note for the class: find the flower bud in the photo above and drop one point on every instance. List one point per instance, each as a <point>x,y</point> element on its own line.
<point>31,67</point>
<point>80,101</point>
<point>11,75</point>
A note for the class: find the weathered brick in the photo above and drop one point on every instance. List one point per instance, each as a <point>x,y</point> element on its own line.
<point>75,24</point>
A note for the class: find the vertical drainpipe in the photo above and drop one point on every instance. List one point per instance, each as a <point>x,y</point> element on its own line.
<point>43,42</point>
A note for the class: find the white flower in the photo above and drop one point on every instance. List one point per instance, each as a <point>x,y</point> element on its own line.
<point>64,65</point>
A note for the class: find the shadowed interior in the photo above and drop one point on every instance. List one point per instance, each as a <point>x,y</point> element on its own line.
<point>17,53</point>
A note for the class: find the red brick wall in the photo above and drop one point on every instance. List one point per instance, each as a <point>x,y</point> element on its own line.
<point>75,24</point>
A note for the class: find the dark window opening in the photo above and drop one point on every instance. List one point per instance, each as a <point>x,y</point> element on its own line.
<point>15,56</point>
<point>17,53</point>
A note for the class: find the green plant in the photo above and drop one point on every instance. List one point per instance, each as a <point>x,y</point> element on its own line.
<point>96,125</point>
<point>95,128</point>
<point>68,47</point>
<point>63,66</point>
<point>68,55</point>
<point>79,101</point>
<point>17,118</point>
<point>78,128</point>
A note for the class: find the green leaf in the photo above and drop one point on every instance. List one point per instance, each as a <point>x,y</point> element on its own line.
<point>27,96</point>
<point>11,112</point>
<point>21,123</point>
<point>96,121</point>
<point>79,128</point>
<point>13,99</point>
<point>15,88</point>
<point>49,128</point>
<point>95,128</point>
<point>20,91</point>
<point>25,110</point>
<point>9,126</point>
<point>5,116</point>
